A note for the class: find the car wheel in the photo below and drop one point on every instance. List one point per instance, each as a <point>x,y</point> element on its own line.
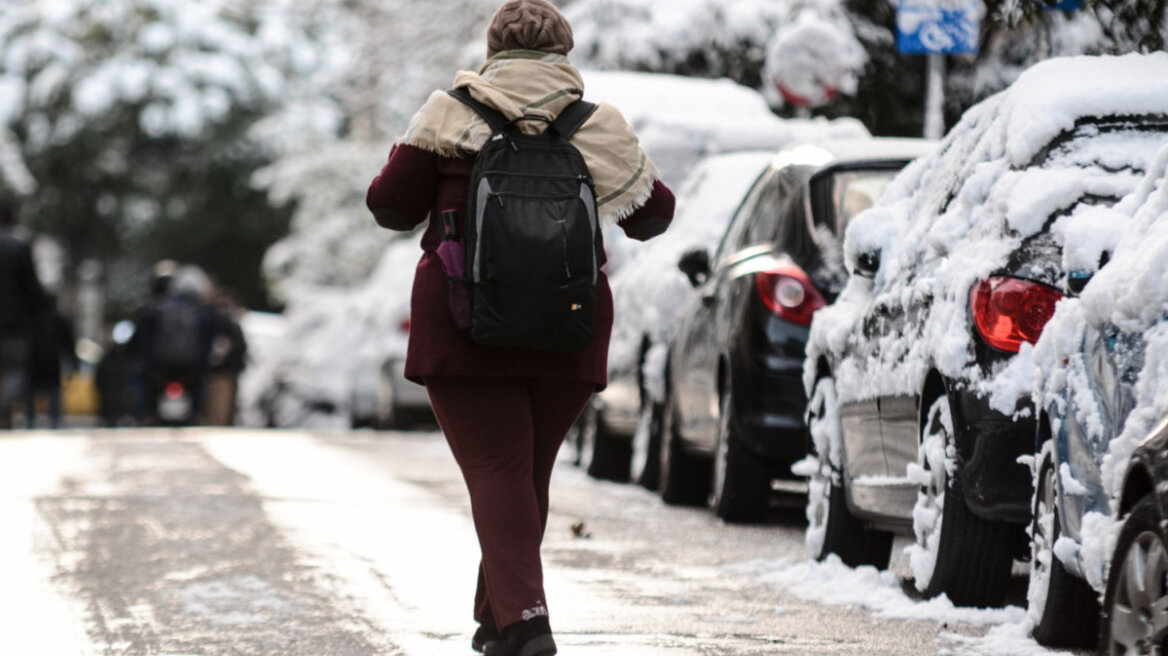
<point>603,455</point>
<point>741,485</point>
<point>831,528</point>
<point>956,553</point>
<point>685,480</point>
<point>645,463</point>
<point>1134,619</point>
<point>1063,607</point>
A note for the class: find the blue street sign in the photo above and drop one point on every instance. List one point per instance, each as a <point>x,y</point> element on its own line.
<point>1061,5</point>
<point>943,27</point>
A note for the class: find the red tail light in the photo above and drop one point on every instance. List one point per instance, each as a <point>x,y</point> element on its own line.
<point>789,294</point>
<point>1009,311</point>
<point>404,326</point>
<point>174,391</point>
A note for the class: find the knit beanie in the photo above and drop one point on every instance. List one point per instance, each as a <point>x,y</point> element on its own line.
<point>529,25</point>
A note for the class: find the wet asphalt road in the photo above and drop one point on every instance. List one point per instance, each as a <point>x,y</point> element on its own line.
<point>209,543</point>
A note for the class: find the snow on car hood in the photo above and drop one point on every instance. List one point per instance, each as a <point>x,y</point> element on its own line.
<point>1026,160</point>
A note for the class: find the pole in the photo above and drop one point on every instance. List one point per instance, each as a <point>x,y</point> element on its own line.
<point>935,97</point>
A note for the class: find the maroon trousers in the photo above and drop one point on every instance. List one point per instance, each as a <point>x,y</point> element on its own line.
<point>505,434</point>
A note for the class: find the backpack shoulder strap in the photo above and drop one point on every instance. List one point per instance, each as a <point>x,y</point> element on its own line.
<point>572,118</point>
<point>492,116</point>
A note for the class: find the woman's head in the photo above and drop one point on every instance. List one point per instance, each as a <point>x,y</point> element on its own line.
<point>529,25</point>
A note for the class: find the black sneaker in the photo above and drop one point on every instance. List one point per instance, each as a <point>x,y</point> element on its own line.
<point>529,638</point>
<point>485,638</point>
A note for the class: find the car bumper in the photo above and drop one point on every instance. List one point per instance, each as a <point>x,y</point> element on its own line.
<point>770,403</point>
<point>997,487</point>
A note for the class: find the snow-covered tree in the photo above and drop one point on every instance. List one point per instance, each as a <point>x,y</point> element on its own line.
<point>133,118</point>
<point>384,59</point>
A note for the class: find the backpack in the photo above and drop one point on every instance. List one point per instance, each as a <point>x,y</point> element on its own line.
<point>532,241</point>
<point>178,338</point>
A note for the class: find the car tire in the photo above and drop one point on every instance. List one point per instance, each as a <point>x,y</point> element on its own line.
<point>956,552</point>
<point>740,488</point>
<point>1133,620</point>
<point>1063,607</point>
<point>645,460</point>
<point>602,455</point>
<point>685,480</point>
<point>831,527</point>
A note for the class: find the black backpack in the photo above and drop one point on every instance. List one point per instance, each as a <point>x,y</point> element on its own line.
<point>178,341</point>
<point>532,239</point>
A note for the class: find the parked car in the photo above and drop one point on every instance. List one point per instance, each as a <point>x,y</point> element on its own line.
<point>648,295</point>
<point>1135,604</point>
<point>400,403</point>
<point>1099,389</point>
<point>954,272</point>
<point>733,416</point>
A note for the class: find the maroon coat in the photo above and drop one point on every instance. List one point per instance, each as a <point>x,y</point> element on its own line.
<point>416,183</point>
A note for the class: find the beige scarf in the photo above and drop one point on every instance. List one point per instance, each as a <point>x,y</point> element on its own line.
<point>523,82</point>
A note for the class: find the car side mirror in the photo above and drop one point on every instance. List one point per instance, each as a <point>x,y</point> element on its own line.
<point>695,264</point>
<point>867,264</point>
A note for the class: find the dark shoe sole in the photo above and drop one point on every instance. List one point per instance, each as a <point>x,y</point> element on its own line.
<point>542,645</point>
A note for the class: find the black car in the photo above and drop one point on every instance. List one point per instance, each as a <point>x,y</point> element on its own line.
<point>1135,604</point>
<point>733,416</point>
<point>920,404</point>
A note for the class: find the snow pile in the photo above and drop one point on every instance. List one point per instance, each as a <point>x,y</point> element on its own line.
<point>813,58</point>
<point>1000,178</point>
<point>650,292</point>
<point>882,594</point>
<point>1130,294</point>
<point>879,592</point>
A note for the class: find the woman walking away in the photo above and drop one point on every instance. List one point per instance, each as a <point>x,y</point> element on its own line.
<point>505,406</point>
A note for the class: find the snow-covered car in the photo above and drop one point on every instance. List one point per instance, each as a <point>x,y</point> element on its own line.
<point>648,295</point>
<point>680,120</point>
<point>954,271</point>
<point>732,423</point>
<point>383,397</point>
<point>1100,385</point>
<point>1134,619</point>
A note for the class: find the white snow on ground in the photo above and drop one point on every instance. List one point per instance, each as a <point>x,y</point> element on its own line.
<point>39,618</point>
<point>953,218</point>
<point>881,593</point>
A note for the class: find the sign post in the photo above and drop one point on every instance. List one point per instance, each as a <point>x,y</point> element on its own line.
<point>937,28</point>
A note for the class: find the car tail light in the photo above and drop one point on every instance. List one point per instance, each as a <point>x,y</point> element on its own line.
<point>789,294</point>
<point>174,391</point>
<point>1009,311</point>
<point>404,326</point>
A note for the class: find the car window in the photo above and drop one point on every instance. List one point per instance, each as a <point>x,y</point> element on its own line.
<point>736,233</point>
<point>853,192</point>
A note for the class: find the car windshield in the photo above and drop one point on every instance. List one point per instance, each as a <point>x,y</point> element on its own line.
<point>853,191</point>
